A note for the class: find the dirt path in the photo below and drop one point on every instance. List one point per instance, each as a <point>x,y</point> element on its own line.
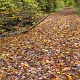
<point>50,51</point>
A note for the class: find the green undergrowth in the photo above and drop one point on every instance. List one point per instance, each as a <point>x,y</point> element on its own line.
<point>17,25</point>
<point>19,15</point>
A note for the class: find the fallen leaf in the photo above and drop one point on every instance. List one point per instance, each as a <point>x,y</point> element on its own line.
<point>70,77</point>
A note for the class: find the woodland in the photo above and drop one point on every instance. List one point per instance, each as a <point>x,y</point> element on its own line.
<point>18,15</point>
<point>39,39</point>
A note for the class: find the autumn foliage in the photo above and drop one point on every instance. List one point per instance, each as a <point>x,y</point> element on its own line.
<point>50,51</point>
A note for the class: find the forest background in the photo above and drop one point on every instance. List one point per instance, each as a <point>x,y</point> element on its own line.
<point>18,15</point>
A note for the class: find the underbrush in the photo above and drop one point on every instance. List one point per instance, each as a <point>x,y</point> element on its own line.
<point>18,24</point>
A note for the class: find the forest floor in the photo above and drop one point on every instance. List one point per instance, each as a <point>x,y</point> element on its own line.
<point>50,51</point>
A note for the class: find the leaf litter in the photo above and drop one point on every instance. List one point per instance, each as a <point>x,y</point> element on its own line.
<point>50,51</point>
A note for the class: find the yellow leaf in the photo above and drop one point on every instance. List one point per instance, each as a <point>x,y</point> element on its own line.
<point>68,52</point>
<point>60,63</point>
<point>22,53</point>
<point>29,46</point>
<point>26,64</point>
<point>65,69</point>
<point>2,56</point>
<point>16,52</point>
<point>77,76</point>
<point>0,76</point>
<point>70,77</point>
<point>63,73</point>
<point>43,61</point>
<point>56,78</point>
<point>26,58</point>
<point>76,63</point>
<point>48,41</point>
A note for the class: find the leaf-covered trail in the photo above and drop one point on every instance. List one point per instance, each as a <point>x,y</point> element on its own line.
<point>50,51</point>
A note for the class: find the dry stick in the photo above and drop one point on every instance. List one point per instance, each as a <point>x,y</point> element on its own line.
<point>35,25</point>
<point>23,32</point>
